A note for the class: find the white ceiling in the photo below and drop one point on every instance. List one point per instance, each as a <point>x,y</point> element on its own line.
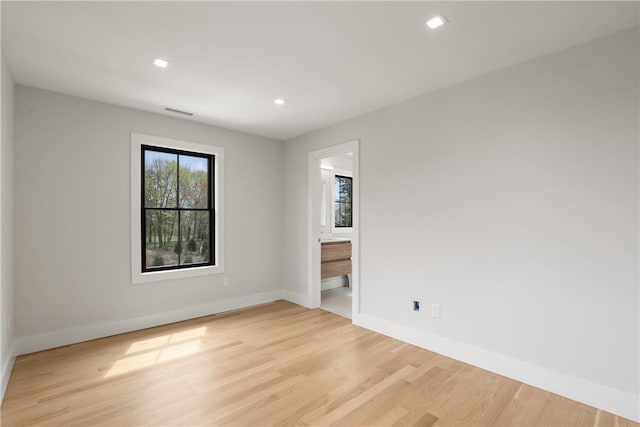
<point>330,60</point>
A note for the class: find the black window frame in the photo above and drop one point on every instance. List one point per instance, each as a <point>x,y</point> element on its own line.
<point>210,207</point>
<point>340,202</point>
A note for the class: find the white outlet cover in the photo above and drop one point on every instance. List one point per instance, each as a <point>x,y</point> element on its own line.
<point>435,311</point>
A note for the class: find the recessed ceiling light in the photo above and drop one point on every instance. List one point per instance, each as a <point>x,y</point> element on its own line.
<point>160,63</point>
<point>279,101</point>
<point>436,21</point>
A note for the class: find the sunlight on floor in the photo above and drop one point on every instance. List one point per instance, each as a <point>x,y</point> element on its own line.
<point>145,345</point>
<point>146,353</point>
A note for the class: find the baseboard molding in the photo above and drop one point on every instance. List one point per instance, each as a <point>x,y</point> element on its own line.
<point>295,297</point>
<point>620,403</point>
<point>6,372</point>
<point>614,401</point>
<point>54,339</point>
<point>331,283</point>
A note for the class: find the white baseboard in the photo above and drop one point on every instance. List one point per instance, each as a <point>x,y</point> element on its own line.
<point>6,372</point>
<point>295,297</point>
<point>620,403</point>
<point>54,339</point>
<point>617,402</point>
<point>331,283</point>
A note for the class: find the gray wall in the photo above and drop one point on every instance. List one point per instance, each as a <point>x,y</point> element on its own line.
<point>7,223</point>
<point>511,200</point>
<point>73,214</point>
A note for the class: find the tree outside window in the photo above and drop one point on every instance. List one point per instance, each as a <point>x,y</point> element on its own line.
<point>177,211</point>
<point>342,201</point>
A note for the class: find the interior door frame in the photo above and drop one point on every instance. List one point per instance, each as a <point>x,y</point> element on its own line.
<point>314,192</point>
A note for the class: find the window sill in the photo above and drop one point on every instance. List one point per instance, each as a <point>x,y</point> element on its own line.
<point>157,276</point>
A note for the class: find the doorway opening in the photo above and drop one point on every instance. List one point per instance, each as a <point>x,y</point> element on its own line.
<point>333,229</point>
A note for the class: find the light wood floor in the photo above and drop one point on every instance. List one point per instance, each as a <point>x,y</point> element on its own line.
<point>275,364</point>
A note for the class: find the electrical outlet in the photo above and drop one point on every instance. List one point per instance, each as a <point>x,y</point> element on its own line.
<point>416,306</point>
<point>227,282</point>
<point>435,311</point>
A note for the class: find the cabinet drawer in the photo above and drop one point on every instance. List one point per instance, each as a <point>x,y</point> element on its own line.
<point>335,251</point>
<point>335,268</point>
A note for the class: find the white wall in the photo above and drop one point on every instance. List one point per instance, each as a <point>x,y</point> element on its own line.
<point>7,225</point>
<point>326,177</point>
<point>73,221</point>
<point>512,201</point>
<point>342,161</point>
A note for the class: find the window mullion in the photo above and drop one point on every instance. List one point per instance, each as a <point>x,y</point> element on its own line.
<point>143,213</point>
<point>178,207</point>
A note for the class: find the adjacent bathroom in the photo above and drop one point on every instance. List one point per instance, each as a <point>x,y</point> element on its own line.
<point>336,227</point>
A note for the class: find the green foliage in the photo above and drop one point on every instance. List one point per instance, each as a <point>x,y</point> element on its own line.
<point>193,188</point>
<point>342,201</point>
<point>160,182</point>
<point>158,261</point>
<point>188,259</point>
<point>168,187</point>
<point>205,249</point>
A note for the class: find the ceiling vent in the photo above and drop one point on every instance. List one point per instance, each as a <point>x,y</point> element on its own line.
<point>173,110</point>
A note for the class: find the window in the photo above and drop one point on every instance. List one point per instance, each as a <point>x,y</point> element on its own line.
<point>342,201</point>
<point>176,209</point>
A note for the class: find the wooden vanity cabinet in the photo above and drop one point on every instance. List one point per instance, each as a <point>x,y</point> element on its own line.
<point>335,259</point>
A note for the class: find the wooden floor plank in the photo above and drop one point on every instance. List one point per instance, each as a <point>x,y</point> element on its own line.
<point>273,364</point>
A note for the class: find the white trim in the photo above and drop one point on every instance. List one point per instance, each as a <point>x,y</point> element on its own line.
<point>313,230</point>
<point>295,297</point>
<point>59,338</point>
<point>137,140</point>
<point>54,339</point>
<point>617,402</point>
<point>6,372</point>
<point>313,224</point>
<point>332,283</point>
